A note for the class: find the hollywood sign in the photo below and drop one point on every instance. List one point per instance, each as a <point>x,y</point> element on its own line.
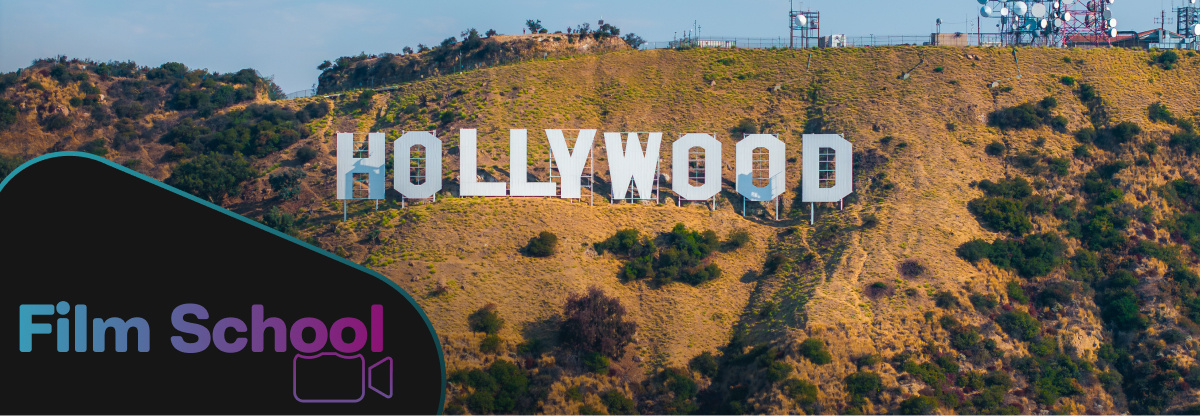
<point>827,166</point>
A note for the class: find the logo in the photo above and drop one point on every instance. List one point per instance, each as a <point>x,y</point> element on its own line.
<point>156,302</point>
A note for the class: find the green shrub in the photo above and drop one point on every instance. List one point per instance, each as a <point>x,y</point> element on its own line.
<point>1055,293</point>
<point>55,122</point>
<point>1001,214</point>
<point>1058,123</point>
<point>1019,325</point>
<point>814,350</point>
<point>1087,93</point>
<point>983,302</point>
<point>1016,293</point>
<point>364,99</point>
<point>778,370</point>
<point>96,147</point>
<point>486,320</point>
<point>745,126</point>
<point>737,238</point>
<point>1168,59</point>
<point>945,300</point>
<point>995,148</point>
<point>618,404</point>
<point>490,344</point>
<point>1035,255</point>
<point>626,242</point>
<point>286,182</point>
<point>918,405</point>
<point>683,257</point>
<point>1023,116</point>
<point>1159,113</point>
<point>280,220</point>
<point>1066,80</point>
<point>306,154</point>
<point>588,409</point>
<point>863,383</point>
<point>212,176</point>
<point>544,245</point>
<point>497,390</point>
<point>705,364</point>
<point>1008,188</point>
<point>8,114</point>
<point>800,391</point>
<point>596,362</point>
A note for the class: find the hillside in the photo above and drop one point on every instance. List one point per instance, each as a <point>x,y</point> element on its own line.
<point>1003,252</point>
<point>473,52</point>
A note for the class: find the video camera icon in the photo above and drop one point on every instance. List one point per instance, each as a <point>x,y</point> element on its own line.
<point>330,377</point>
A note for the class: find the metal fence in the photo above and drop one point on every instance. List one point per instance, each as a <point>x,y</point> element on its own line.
<point>461,64</point>
<point>301,94</point>
<point>973,39</point>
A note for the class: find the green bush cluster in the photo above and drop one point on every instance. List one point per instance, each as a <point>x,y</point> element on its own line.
<point>800,391</point>
<point>486,320</point>
<point>967,340</point>
<point>544,245</point>
<point>618,404</point>
<point>280,220</point>
<point>499,389</point>
<point>1031,256</point>
<point>1001,214</point>
<point>1051,373</point>
<point>705,364</point>
<point>8,164</point>
<point>683,257</point>
<point>1020,325</point>
<point>936,373</point>
<point>862,384</point>
<point>8,113</point>
<point>286,182</point>
<point>814,350</point>
<point>1028,116</point>
<point>1109,138</point>
<point>212,176</point>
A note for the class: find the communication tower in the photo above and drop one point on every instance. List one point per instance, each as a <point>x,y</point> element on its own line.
<point>808,23</point>
<point>1055,23</point>
<point>1187,21</point>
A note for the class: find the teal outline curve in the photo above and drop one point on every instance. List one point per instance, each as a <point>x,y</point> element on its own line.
<point>436,340</point>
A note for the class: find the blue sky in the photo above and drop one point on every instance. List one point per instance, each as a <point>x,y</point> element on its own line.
<point>288,39</point>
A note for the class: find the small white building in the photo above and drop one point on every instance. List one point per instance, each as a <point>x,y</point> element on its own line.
<point>832,41</point>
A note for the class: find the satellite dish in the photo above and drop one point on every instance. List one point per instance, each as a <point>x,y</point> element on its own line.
<point>1044,23</point>
<point>1038,10</point>
<point>983,1</point>
<point>1004,11</point>
<point>1020,8</point>
<point>1112,22</point>
<point>985,11</point>
<point>1089,20</point>
<point>1111,1</point>
<point>1196,29</point>
<point>1092,6</point>
<point>1112,33</point>
<point>801,20</point>
<point>939,21</point>
<point>1107,14</point>
<point>1058,23</point>
<point>1066,16</point>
